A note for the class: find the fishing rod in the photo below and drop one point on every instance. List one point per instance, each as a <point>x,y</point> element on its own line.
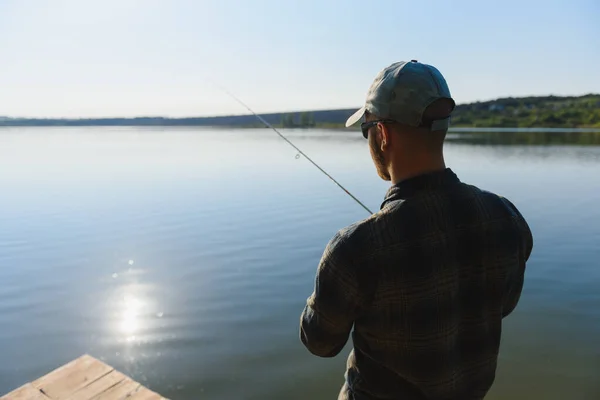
<point>261,119</point>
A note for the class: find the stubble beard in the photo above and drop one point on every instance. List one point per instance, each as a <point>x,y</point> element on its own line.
<point>379,161</point>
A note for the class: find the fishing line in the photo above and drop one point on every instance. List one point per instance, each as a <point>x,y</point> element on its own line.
<point>261,119</point>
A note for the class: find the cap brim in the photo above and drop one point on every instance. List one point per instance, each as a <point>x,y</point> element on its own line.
<point>354,118</point>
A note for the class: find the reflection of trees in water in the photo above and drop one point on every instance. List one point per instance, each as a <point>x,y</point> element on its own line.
<point>490,139</point>
<point>580,146</point>
<point>527,152</point>
<point>528,138</point>
<point>485,138</point>
<point>329,135</point>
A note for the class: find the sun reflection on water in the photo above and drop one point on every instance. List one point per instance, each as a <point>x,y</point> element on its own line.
<point>132,306</point>
<point>130,321</point>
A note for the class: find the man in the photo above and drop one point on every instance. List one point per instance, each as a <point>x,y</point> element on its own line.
<point>427,280</point>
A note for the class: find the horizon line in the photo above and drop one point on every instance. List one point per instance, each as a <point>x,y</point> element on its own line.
<point>281,112</point>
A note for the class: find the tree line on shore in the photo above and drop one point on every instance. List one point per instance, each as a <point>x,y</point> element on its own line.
<point>540,111</point>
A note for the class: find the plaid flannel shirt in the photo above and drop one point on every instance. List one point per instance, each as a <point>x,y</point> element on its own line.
<point>425,282</point>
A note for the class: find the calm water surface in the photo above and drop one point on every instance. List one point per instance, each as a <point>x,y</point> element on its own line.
<point>183,257</point>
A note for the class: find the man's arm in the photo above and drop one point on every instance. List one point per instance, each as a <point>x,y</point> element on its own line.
<point>517,278</point>
<point>330,311</point>
<point>515,287</point>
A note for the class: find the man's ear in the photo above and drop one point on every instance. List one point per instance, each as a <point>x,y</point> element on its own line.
<point>384,135</point>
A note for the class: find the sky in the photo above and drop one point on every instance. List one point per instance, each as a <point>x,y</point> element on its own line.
<point>124,58</point>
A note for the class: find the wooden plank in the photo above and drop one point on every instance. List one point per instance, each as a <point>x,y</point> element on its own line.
<point>146,394</point>
<point>25,392</point>
<point>120,391</point>
<point>85,378</point>
<point>66,380</point>
<point>99,386</point>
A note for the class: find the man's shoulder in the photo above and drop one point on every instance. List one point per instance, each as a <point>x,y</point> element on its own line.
<point>361,238</point>
<point>352,241</point>
<point>404,215</point>
<point>488,198</point>
<point>500,208</point>
<point>492,199</point>
<point>349,237</point>
<point>461,202</point>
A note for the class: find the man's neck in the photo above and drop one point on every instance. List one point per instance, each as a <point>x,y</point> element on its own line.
<point>405,170</point>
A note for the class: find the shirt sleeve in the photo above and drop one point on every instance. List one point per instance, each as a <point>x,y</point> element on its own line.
<point>336,301</point>
<point>517,278</point>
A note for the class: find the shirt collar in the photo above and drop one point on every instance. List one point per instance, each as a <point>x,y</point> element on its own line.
<point>424,182</point>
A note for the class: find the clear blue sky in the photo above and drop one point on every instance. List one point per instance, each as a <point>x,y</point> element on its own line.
<point>67,58</point>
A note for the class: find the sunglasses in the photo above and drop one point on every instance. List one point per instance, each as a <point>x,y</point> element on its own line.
<point>365,126</point>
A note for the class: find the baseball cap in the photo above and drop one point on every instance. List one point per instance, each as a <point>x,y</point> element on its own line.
<point>402,92</point>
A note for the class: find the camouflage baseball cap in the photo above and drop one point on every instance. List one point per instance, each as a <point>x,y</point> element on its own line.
<point>402,92</point>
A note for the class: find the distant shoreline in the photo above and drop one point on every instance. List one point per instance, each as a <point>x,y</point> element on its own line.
<point>549,112</point>
<point>457,129</point>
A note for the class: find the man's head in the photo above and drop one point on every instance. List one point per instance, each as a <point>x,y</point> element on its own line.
<point>406,117</point>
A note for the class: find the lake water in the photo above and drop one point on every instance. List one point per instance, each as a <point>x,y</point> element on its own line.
<point>184,256</point>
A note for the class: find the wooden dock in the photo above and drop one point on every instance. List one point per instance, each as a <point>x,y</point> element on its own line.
<point>85,378</point>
